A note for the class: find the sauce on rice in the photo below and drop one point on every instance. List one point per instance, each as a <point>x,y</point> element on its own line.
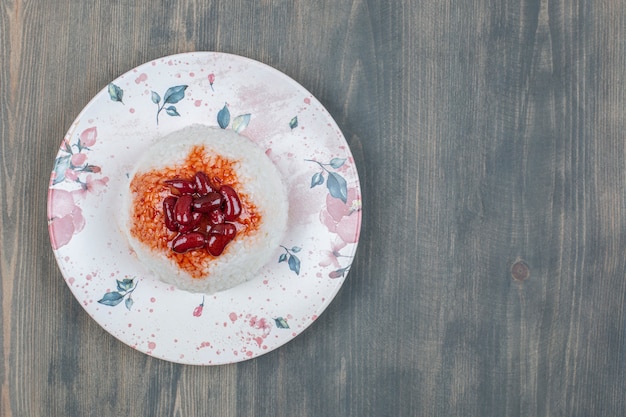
<point>148,191</point>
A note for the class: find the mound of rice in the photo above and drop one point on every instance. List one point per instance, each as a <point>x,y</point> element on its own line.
<point>231,159</point>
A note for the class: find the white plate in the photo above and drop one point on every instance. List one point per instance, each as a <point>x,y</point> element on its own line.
<point>125,119</point>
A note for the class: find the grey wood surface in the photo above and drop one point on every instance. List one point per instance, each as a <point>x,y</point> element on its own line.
<point>489,138</point>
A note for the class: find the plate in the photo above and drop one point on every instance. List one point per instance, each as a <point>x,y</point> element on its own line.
<point>230,92</point>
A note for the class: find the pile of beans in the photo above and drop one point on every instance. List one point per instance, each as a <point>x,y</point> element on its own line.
<point>201,213</point>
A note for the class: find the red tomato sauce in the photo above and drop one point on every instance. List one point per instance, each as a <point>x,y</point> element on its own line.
<point>147,219</point>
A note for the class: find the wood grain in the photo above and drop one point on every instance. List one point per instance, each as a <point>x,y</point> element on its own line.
<point>489,137</point>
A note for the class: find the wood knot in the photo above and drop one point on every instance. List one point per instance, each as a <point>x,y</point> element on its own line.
<point>520,270</point>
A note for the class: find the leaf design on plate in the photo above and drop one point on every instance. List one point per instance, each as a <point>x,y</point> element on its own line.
<point>125,288</point>
<point>116,93</point>
<point>240,122</point>
<point>174,94</point>
<point>337,162</point>
<point>61,164</point>
<point>317,179</point>
<point>293,123</point>
<point>281,323</point>
<point>294,264</point>
<point>223,117</point>
<point>125,284</point>
<point>337,186</point>
<point>67,147</point>
<point>111,299</point>
<point>171,110</point>
<point>292,260</point>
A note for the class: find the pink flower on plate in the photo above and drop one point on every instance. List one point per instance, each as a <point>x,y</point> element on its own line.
<point>332,259</point>
<point>65,218</point>
<point>91,185</point>
<point>88,137</point>
<point>71,175</point>
<point>343,218</point>
<point>211,80</point>
<point>333,254</point>
<point>78,159</point>
<point>197,312</point>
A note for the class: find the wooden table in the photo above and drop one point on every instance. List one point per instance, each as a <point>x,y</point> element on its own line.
<point>489,137</point>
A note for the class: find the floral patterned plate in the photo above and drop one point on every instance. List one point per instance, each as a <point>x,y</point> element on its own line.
<point>124,120</point>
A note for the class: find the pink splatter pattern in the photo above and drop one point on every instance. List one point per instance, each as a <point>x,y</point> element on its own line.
<point>142,77</point>
<point>259,329</point>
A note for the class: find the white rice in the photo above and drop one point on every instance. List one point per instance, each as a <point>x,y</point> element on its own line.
<point>260,180</point>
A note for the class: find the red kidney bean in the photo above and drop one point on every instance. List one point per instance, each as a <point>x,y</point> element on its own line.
<point>196,217</point>
<point>201,214</point>
<point>168,210</point>
<point>232,204</point>
<point>203,225</point>
<point>227,229</point>
<point>215,244</point>
<point>207,203</point>
<point>182,209</point>
<point>185,242</point>
<point>180,186</point>
<point>216,216</point>
<point>203,183</point>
